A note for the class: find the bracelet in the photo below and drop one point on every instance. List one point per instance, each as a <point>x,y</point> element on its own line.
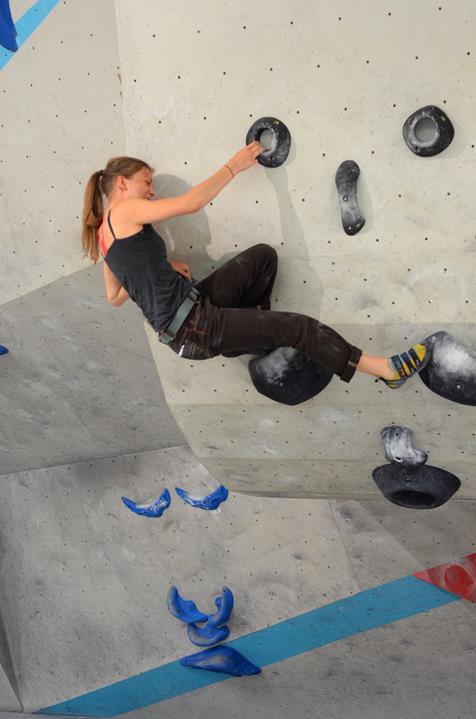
<point>230,169</point>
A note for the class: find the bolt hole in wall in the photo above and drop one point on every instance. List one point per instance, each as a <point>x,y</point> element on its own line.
<point>426,130</point>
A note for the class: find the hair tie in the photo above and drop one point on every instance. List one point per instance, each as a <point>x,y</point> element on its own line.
<point>101,172</point>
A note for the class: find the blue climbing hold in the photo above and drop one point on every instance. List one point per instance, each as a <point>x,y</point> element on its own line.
<point>184,609</point>
<point>3,350</point>
<point>8,31</point>
<point>221,659</point>
<point>156,509</point>
<point>210,501</point>
<point>224,605</point>
<point>207,635</point>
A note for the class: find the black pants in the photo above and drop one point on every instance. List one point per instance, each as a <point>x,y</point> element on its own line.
<point>233,314</point>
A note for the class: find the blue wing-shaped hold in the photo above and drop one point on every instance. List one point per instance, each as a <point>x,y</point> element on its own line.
<point>155,509</point>
<point>3,350</point>
<point>210,501</point>
<point>224,605</point>
<point>184,609</point>
<point>221,659</point>
<point>8,31</point>
<point>207,635</point>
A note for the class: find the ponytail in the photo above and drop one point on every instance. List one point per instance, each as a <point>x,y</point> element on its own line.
<point>93,212</point>
<point>100,184</point>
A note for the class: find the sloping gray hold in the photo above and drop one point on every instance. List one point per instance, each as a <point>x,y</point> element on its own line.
<point>451,371</point>
<point>398,445</point>
<point>288,375</point>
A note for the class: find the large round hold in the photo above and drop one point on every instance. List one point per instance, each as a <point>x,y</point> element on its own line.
<point>441,136</point>
<point>288,375</point>
<point>278,152</point>
<point>423,487</point>
<point>451,371</point>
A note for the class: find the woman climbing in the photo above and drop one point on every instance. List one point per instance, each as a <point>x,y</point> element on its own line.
<point>226,313</point>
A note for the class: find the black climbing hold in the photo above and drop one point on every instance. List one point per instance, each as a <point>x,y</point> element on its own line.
<point>346,183</point>
<point>277,154</point>
<point>442,136</point>
<point>398,445</point>
<point>422,487</point>
<point>288,375</point>
<point>451,371</point>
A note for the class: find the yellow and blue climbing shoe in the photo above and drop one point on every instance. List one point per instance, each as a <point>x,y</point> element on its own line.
<point>407,364</point>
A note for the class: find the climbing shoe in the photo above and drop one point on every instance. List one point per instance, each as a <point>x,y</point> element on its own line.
<point>407,364</point>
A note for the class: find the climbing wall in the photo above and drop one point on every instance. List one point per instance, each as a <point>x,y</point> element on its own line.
<point>66,72</point>
<point>344,78</point>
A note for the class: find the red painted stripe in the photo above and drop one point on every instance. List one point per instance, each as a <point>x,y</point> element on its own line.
<point>456,577</point>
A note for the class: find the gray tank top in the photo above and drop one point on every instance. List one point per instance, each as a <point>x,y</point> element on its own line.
<point>140,264</point>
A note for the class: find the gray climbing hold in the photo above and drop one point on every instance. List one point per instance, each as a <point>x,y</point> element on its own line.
<point>346,182</point>
<point>225,660</point>
<point>443,131</point>
<point>288,375</point>
<point>451,370</point>
<point>398,446</point>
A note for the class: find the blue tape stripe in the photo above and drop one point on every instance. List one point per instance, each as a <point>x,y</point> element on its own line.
<point>27,25</point>
<point>359,613</point>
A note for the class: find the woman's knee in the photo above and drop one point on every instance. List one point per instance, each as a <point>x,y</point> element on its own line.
<point>266,251</point>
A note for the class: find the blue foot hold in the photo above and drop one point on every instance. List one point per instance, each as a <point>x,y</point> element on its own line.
<point>210,501</point>
<point>8,31</point>
<point>3,350</point>
<point>207,635</point>
<point>221,659</point>
<point>184,609</point>
<point>156,509</point>
<point>224,605</point>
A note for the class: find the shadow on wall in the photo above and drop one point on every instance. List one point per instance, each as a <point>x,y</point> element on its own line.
<point>188,238</point>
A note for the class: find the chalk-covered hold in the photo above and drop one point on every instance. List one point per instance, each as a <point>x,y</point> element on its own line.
<point>451,370</point>
<point>210,501</point>
<point>288,375</point>
<point>154,509</point>
<point>278,152</point>
<point>398,446</point>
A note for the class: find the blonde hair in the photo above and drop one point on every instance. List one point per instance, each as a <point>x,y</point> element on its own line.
<point>99,184</point>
